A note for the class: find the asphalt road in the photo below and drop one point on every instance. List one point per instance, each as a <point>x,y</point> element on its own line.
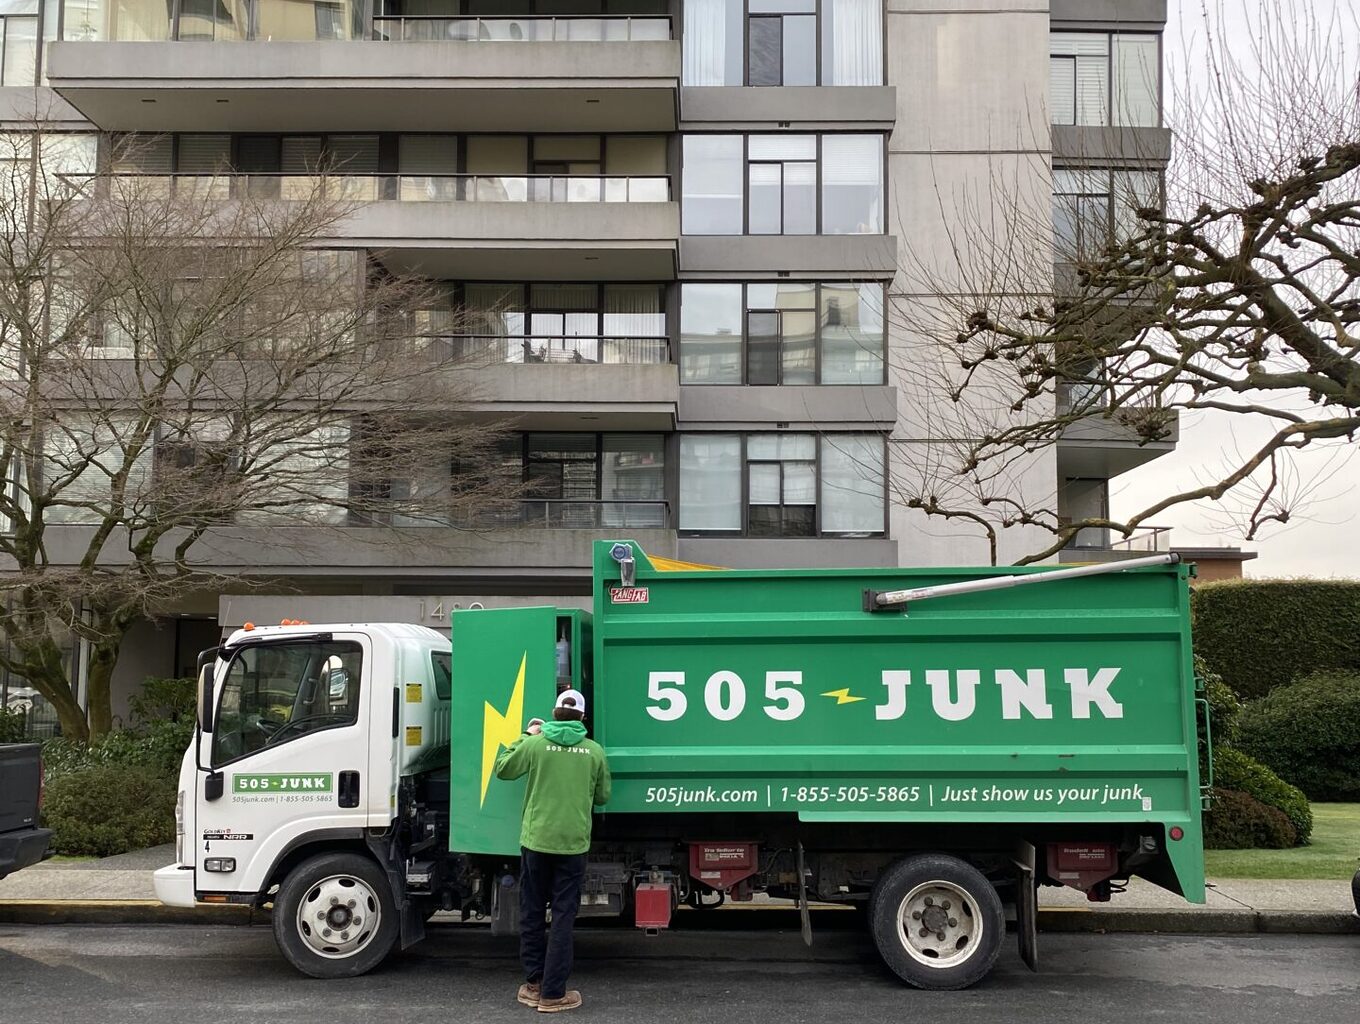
<point>155,974</point>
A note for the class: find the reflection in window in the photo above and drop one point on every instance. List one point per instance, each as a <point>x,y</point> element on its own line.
<point>782,485</point>
<point>19,43</point>
<point>1100,78</point>
<point>776,42</point>
<point>1095,208</point>
<point>274,693</point>
<point>713,194</point>
<point>212,20</point>
<point>782,178</point>
<point>710,482</point>
<point>782,474</point>
<point>784,332</point>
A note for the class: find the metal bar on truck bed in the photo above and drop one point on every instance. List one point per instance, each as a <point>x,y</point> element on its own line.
<point>878,599</point>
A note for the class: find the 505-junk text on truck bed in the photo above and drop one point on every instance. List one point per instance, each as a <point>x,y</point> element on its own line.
<point>932,744</point>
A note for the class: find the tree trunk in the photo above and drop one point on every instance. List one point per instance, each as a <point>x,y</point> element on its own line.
<point>57,689</point>
<point>98,689</point>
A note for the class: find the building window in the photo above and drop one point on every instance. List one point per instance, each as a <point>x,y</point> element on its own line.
<point>1093,209</point>
<point>580,481</point>
<point>782,485</point>
<point>783,42</point>
<point>557,323</point>
<point>19,43</point>
<point>782,332</point>
<point>791,184</point>
<point>1102,78</point>
<point>211,20</point>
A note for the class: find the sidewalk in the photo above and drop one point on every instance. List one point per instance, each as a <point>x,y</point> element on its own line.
<point>118,890</point>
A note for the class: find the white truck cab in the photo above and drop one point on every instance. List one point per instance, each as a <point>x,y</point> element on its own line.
<point>290,792</point>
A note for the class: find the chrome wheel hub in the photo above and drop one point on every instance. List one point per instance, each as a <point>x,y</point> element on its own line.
<point>339,916</point>
<point>939,924</point>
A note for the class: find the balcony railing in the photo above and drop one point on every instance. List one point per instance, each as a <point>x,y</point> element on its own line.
<point>560,514</point>
<point>407,188</point>
<point>581,29</point>
<point>499,349</point>
<point>1143,540</point>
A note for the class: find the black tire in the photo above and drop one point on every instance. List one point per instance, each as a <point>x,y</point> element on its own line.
<point>972,932</point>
<point>331,881</point>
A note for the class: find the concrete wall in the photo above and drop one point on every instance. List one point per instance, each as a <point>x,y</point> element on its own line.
<point>846,407</point>
<point>969,180</point>
<point>148,650</point>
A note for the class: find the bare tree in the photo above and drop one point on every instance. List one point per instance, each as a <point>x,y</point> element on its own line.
<point>1236,293</point>
<point>184,356</point>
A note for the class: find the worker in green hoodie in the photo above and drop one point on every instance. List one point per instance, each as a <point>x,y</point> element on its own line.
<point>568,776</point>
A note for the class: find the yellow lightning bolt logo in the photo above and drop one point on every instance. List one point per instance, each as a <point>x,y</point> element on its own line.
<point>501,730</point>
<point>842,695</point>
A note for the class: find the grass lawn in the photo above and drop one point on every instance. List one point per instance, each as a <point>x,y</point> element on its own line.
<point>1333,853</point>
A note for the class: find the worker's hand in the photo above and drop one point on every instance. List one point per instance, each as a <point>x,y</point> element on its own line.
<point>535,726</point>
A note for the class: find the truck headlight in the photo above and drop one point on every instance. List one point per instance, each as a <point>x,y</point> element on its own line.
<point>179,828</point>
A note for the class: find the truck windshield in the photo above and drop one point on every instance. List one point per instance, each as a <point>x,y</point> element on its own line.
<point>274,693</point>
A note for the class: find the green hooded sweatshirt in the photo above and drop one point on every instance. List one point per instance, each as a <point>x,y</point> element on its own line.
<point>568,776</point>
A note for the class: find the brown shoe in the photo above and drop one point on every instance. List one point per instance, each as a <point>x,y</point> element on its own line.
<point>570,1001</point>
<point>528,994</point>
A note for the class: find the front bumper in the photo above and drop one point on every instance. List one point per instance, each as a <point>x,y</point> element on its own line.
<point>23,849</point>
<point>175,885</point>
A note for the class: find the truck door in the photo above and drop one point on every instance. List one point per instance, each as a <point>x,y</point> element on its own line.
<point>289,752</point>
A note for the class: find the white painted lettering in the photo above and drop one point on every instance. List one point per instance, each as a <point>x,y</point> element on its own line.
<point>948,707</point>
<point>1087,691</point>
<point>1029,693</point>
<point>897,683</point>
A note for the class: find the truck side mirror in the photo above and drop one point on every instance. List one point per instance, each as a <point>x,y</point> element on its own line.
<point>205,691</point>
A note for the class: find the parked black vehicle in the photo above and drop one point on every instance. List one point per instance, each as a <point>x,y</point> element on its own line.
<point>1355,892</point>
<point>22,842</point>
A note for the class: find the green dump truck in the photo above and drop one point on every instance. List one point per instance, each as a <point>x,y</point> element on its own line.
<point>929,744</point>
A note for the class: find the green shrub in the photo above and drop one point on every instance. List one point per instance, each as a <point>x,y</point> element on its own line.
<point>1260,634</point>
<point>163,726</point>
<point>109,809</point>
<point>1308,733</point>
<point>1236,821</point>
<point>11,726</point>
<point>1236,771</point>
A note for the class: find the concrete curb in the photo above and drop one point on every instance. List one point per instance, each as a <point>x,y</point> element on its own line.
<point>1051,919</point>
<point>1199,922</point>
<point>122,912</point>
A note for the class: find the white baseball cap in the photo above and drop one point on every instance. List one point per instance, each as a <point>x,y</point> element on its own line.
<point>571,699</point>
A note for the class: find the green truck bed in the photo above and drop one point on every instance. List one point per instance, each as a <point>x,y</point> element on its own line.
<point>760,692</point>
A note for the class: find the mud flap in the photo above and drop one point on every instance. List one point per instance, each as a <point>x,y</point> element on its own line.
<point>804,918</point>
<point>1026,906</point>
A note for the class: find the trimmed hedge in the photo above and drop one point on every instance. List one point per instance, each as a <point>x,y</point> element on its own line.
<point>1236,821</point>
<point>1236,771</point>
<point>1308,733</point>
<point>1260,634</point>
<point>1224,709</point>
<point>109,809</point>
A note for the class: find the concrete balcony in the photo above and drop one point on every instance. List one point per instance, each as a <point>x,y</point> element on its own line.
<point>423,78</point>
<point>1096,447</point>
<point>788,553</point>
<point>568,383</point>
<point>1101,545</point>
<point>535,546</point>
<point>827,257</point>
<point>871,407</point>
<point>479,227</point>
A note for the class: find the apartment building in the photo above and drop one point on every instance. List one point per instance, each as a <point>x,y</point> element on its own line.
<point>673,226</point>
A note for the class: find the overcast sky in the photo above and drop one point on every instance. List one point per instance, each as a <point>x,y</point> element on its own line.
<point>1324,539</point>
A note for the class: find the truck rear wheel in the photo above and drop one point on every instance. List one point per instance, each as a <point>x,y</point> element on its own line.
<point>334,916</point>
<point>937,922</point>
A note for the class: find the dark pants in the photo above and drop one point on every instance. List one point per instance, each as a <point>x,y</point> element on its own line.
<point>548,880</point>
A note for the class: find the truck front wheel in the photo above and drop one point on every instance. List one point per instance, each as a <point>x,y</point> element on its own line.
<point>937,922</point>
<point>334,916</point>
